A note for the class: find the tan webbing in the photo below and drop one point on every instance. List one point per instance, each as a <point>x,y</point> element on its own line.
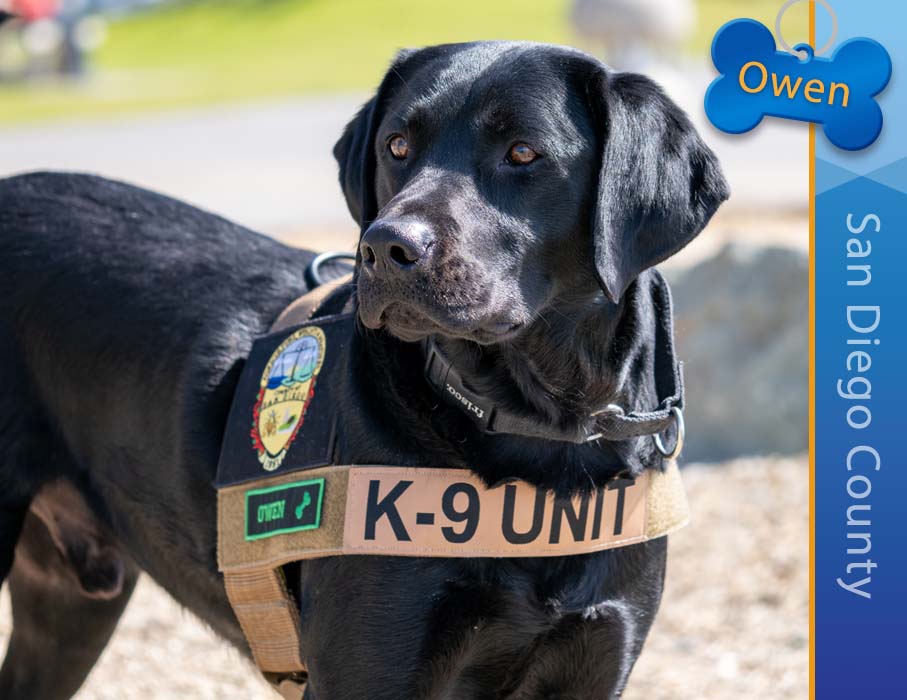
<point>268,615</point>
<point>305,306</point>
<point>411,509</point>
<point>653,506</point>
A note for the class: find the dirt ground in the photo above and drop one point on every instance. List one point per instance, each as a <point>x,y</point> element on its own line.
<point>732,625</point>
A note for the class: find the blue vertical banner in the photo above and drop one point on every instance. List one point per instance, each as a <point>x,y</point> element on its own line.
<point>860,373</point>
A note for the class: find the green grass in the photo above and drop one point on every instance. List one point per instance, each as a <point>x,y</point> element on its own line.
<point>208,52</point>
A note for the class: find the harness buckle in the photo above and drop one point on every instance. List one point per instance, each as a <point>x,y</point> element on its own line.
<point>289,687</point>
<point>610,408</point>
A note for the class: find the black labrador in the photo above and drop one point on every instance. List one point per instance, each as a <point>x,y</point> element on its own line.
<point>512,198</point>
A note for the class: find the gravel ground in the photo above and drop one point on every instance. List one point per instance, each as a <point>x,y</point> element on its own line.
<point>733,623</point>
<point>732,626</point>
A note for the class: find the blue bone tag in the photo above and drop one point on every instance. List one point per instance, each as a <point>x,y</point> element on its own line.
<point>757,80</point>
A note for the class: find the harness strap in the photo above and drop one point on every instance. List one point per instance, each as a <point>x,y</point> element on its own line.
<point>268,616</point>
<point>264,607</point>
<point>306,306</point>
<point>409,511</point>
<point>430,512</point>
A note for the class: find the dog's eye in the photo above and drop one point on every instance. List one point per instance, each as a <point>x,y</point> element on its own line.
<point>398,146</point>
<point>521,154</point>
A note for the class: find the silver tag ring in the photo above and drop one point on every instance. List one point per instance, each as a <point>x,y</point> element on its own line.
<point>681,433</point>
<point>817,52</point>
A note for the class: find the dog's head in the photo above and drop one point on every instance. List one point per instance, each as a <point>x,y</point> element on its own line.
<point>491,178</point>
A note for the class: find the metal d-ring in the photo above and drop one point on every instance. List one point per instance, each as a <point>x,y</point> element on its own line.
<point>818,52</point>
<point>312,274</point>
<point>681,432</point>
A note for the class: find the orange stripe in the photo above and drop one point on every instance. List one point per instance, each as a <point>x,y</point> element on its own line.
<point>812,385</point>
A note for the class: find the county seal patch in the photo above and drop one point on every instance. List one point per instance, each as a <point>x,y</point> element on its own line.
<point>287,387</point>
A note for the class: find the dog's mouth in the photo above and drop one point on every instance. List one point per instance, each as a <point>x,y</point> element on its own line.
<point>410,324</point>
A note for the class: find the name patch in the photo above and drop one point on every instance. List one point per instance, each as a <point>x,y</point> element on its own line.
<point>282,509</point>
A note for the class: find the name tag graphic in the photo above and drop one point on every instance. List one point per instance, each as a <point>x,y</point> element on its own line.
<point>756,80</point>
<point>454,514</point>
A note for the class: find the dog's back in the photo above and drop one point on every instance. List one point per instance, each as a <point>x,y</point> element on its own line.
<point>107,293</point>
<point>124,315</point>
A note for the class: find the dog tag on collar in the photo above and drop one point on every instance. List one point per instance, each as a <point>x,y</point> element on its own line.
<point>282,418</point>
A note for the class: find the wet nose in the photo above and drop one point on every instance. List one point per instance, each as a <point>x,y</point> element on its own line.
<point>394,247</point>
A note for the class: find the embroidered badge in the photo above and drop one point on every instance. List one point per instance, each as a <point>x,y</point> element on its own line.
<point>287,387</point>
<point>282,509</point>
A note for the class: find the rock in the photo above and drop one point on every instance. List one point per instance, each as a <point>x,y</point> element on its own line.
<point>742,333</point>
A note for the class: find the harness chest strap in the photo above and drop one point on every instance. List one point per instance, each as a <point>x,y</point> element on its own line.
<point>403,511</point>
<point>263,605</point>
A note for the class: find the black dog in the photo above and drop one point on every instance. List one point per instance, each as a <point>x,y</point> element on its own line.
<point>512,198</point>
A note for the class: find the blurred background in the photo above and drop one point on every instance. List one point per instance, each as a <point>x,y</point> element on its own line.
<point>235,105</point>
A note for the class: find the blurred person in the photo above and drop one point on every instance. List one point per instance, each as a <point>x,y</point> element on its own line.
<point>34,10</point>
<point>54,34</point>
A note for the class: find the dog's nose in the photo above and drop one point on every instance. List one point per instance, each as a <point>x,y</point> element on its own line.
<point>394,246</point>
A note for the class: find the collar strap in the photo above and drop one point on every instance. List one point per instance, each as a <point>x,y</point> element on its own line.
<point>611,422</point>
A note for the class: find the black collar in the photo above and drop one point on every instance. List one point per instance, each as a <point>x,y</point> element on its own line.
<point>611,422</point>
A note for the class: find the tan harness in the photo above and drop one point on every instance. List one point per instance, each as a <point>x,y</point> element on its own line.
<point>405,511</point>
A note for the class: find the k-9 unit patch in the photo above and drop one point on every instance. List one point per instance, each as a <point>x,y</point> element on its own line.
<point>449,512</point>
<point>411,512</point>
<point>287,387</point>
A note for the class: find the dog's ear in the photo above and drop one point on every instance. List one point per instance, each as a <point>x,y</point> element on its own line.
<point>355,151</point>
<point>659,184</point>
<point>352,154</point>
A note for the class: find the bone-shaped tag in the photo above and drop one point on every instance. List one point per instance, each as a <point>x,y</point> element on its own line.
<point>757,80</point>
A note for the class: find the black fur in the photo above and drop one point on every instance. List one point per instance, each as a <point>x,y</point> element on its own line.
<point>125,317</point>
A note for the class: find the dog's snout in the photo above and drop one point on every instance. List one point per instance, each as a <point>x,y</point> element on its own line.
<point>392,246</point>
